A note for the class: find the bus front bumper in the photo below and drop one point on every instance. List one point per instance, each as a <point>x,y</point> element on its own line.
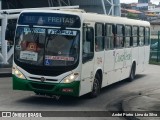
<point>71,89</point>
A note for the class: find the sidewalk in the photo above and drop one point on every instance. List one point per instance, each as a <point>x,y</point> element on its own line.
<point>149,101</point>
<point>5,72</point>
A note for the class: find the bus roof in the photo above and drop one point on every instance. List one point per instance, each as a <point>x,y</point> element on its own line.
<point>113,19</point>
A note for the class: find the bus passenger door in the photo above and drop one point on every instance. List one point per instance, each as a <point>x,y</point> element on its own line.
<point>87,60</point>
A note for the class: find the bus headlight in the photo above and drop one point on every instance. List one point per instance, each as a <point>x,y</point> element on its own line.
<point>70,78</point>
<point>17,73</point>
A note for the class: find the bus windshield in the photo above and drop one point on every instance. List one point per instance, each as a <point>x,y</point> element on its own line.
<point>46,46</point>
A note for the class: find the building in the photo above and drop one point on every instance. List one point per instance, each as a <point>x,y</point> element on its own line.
<point>142,6</point>
<point>143,1</point>
<point>125,12</point>
<point>133,6</point>
<point>155,11</point>
<point>151,6</point>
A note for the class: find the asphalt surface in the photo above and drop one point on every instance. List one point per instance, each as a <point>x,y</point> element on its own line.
<point>146,103</point>
<point>110,99</point>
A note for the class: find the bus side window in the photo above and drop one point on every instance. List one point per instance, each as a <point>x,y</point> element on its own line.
<point>128,34</point>
<point>99,37</point>
<point>109,37</point>
<point>88,44</point>
<point>141,36</point>
<point>147,36</point>
<point>119,40</point>
<point>135,36</point>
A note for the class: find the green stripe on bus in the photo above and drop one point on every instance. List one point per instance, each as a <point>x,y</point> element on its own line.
<point>46,88</point>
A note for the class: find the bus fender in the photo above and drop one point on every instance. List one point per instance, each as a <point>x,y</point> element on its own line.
<point>100,72</point>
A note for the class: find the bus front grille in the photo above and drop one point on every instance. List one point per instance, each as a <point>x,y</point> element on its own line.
<point>35,78</point>
<point>42,86</point>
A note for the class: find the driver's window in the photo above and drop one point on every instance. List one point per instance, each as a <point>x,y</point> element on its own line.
<point>88,40</point>
<point>88,44</point>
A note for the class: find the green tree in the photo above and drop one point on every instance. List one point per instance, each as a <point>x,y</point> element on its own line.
<point>132,16</point>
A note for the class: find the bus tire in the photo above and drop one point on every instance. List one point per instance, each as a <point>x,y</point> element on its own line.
<point>38,93</point>
<point>132,73</point>
<point>96,87</point>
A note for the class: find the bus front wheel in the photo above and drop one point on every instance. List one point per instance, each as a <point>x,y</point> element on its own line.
<point>96,87</point>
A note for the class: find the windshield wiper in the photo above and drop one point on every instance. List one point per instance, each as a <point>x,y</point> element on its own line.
<point>35,37</point>
<point>47,38</point>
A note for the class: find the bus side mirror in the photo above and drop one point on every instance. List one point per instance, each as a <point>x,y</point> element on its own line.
<point>10,32</point>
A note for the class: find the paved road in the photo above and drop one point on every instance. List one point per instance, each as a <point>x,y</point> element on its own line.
<point>110,99</point>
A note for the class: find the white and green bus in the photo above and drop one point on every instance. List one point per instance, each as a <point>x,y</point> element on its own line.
<point>58,52</point>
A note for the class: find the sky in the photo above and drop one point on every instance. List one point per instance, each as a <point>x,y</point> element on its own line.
<point>131,1</point>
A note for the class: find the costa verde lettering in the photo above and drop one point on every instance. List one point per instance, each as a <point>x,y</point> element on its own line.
<point>122,57</point>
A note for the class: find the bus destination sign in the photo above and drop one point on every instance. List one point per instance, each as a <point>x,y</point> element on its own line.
<point>49,19</point>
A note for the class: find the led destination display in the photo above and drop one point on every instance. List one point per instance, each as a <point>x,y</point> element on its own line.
<point>50,19</point>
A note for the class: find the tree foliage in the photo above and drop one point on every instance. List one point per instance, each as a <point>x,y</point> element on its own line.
<point>132,16</point>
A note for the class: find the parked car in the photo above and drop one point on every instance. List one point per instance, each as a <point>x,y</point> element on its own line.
<point>154,46</point>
